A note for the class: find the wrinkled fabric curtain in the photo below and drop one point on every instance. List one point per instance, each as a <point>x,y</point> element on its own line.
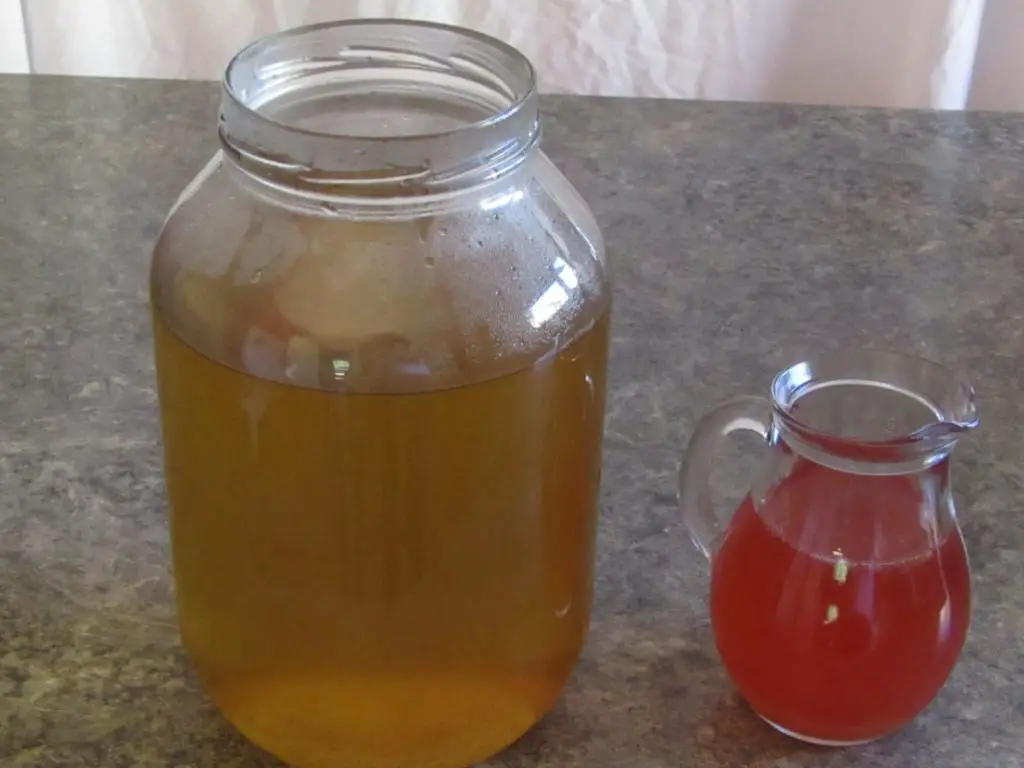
<point>947,54</point>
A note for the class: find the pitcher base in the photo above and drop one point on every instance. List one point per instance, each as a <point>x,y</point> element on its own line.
<point>812,739</point>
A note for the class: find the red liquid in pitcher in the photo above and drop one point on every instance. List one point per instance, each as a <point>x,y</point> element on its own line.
<point>837,608</point>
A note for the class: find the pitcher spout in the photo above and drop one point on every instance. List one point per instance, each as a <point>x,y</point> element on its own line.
<point>963,417</point>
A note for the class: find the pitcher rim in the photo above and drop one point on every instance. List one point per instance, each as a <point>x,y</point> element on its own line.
<point>947,395</point>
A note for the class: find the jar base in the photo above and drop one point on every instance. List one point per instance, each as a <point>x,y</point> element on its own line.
<point>379,721</point>
<point>816,741</point>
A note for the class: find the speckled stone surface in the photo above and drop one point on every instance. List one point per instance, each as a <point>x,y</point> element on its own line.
<point>743,236</point>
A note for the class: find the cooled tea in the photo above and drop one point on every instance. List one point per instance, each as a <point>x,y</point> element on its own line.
<point>381,326</point>
<point>379,580</point>
<point>840,604</point>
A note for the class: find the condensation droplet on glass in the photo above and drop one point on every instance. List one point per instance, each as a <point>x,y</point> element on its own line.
<point>256,276</point>
<point>430,261</point>
<point>564,610</point>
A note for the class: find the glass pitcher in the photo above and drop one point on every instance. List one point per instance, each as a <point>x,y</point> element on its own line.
<point>381,329</point>
<point>840,587</point>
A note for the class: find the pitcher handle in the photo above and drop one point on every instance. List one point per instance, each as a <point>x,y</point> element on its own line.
<point>753,414</point>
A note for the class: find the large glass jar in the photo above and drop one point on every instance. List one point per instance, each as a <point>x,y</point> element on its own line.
<point>381,321</point>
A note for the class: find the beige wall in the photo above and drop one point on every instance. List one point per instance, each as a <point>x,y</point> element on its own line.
<point>13,42</point>
<point>998,81</point>
<point>922,53</point>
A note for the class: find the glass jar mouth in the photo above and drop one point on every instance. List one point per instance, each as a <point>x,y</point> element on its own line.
<point>250,63</point>
<point>379,101</point>
<point>873,406</point>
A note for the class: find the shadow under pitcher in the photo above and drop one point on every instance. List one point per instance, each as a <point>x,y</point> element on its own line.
<point>381,328</point>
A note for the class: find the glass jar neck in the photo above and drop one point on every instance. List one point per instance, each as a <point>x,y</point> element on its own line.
<point>378,109</point>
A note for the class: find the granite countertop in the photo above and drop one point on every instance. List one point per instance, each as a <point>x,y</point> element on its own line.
<point>744,237</point>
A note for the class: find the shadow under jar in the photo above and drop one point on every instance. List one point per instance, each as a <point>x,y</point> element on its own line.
<point>381,320</point>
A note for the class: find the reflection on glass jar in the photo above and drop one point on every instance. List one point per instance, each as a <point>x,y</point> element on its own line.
<point>381,320</point>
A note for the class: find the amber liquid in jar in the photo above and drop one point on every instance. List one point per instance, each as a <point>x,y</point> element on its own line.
<point>380,560</point>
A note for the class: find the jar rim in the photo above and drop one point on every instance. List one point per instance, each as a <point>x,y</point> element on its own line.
<point>519,99</point>
<point>412,109</point>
